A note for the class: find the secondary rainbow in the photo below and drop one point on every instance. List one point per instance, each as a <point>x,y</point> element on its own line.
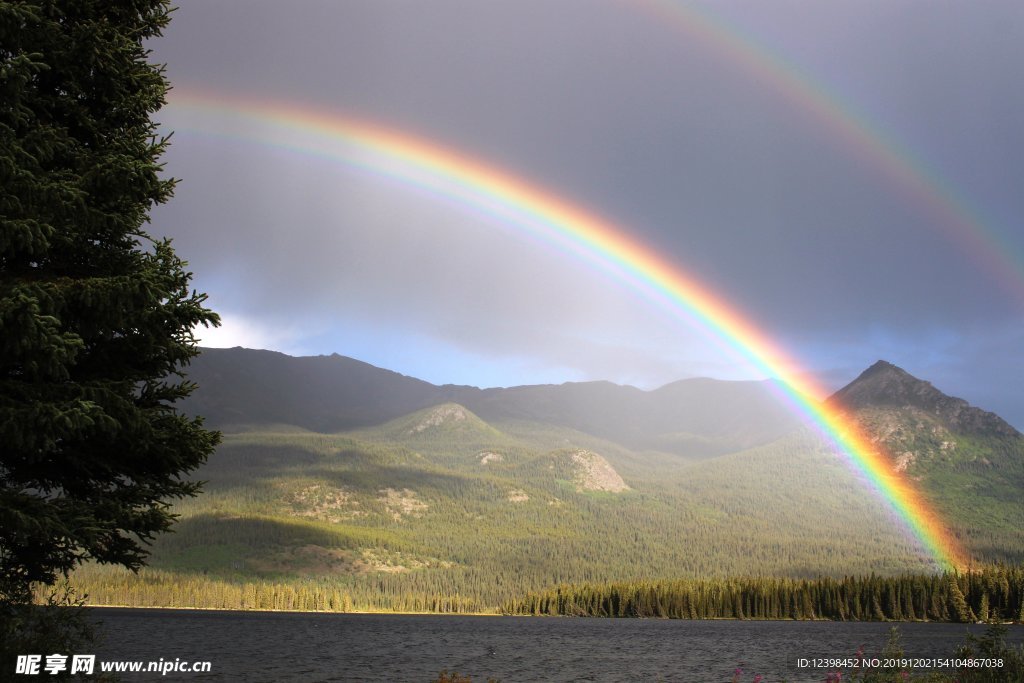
<point>470,182</point>
<point>948,212</point>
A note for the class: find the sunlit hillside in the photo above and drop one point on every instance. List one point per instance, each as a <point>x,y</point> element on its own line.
<point>439,509</point>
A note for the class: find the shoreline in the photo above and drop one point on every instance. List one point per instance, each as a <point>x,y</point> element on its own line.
<point>535,616</point>
<point>308,611</point>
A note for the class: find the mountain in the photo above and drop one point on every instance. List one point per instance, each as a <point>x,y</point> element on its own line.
<point>968,461</point>
<point>342,485</point>
<point>240,387</point>
<point>885,386</point>
<point>694,418</point>
<point>922,427</point>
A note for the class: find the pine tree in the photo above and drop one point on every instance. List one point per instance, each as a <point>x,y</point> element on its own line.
<point>96,317</point>
<point>962,612</point>
<point>983,608</point>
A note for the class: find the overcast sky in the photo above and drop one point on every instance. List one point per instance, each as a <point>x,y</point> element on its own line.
<point>847,175</point>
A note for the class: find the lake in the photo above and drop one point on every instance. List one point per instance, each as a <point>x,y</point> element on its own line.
<point>279,646</point>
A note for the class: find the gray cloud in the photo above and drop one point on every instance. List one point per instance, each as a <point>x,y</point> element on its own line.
<point>662,132</point>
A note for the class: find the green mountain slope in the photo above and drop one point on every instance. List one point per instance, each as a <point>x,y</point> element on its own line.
<point>443,508</point>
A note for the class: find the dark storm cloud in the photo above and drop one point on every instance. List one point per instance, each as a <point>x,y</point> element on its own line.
<point>660,130</point>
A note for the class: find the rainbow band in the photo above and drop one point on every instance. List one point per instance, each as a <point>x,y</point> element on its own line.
<point>947,213</point>
<point>484,188</point>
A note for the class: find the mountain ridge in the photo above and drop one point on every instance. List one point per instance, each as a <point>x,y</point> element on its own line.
<point>697,417</point>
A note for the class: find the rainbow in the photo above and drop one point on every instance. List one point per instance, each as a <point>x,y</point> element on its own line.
<point>947,213</point>
<point>470,182</point>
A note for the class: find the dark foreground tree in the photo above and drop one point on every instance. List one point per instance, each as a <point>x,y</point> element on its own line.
<point>96,317</point>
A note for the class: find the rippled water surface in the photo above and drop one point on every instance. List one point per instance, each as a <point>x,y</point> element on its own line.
<point>271,647</point>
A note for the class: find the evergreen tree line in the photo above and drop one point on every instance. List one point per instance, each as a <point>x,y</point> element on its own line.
<point>150,587</point>
<point>994,593</point>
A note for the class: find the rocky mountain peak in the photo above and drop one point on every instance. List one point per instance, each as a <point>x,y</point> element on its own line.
<point>884,385</point>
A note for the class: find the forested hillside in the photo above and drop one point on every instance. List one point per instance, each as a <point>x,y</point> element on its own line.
<point>440,509</point>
